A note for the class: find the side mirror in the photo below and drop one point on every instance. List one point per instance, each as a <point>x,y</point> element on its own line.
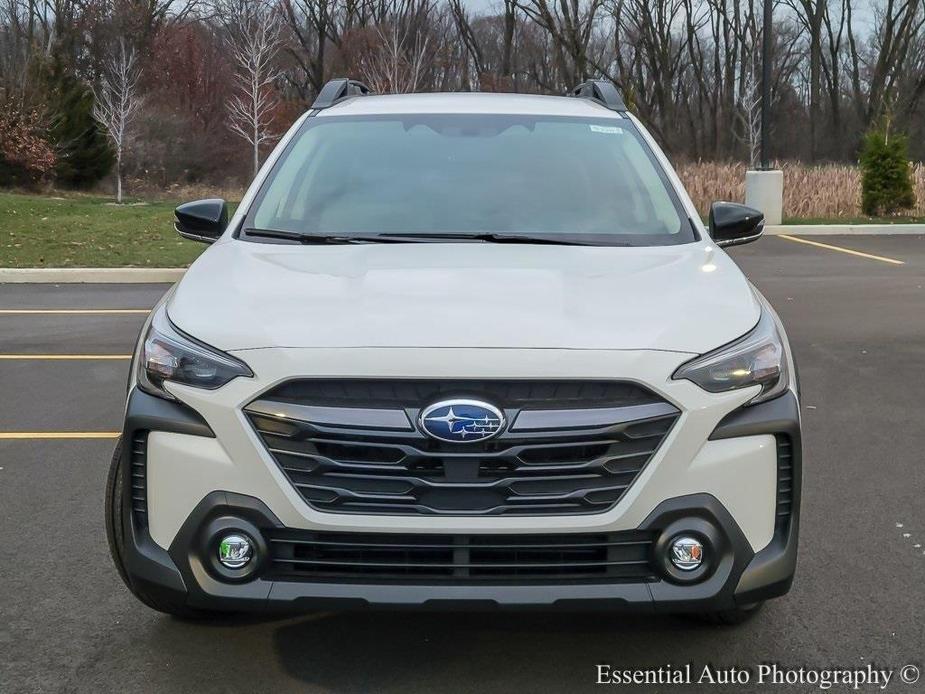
<point>732,224</point>
<point>202,220</point>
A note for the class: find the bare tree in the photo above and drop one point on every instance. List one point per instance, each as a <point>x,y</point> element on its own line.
<point>394,52</point>
<point>749,114</point>
<point>118,101</point>
<point>255,40</point>
<point>570,24</point>
<point>312,26</point>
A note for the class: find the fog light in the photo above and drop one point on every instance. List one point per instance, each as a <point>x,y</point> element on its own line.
<point>686,553</point>
<point>234,551</point>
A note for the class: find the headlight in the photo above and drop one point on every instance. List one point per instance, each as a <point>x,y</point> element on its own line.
<point>758,358</point>
<point>169,355</point>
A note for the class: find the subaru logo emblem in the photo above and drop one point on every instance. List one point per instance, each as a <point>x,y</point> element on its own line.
<point>461,421</point>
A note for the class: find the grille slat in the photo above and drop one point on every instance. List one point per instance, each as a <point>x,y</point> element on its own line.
<point>457,545</point>
<point>392,393</point>
<point>584,469</point>
<point>607,557</point>
<point>451,565</point>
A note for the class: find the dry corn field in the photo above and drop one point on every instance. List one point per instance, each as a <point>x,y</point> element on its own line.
<point>827,191</point>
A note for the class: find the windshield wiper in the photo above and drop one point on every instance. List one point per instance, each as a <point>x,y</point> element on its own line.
<point>303,237</point>
<point>485,237</point>
<point>420,237</point>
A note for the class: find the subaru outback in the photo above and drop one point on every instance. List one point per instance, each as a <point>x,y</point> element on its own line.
<point>461,351</point>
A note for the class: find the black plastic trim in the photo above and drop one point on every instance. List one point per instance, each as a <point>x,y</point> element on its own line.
<point>730,548</point>
<point>337,89</point>
<point>206,589</point>
<point>604,92</point>
<point>778,416</point>
<point>150,413</point>
<point>182,568</point>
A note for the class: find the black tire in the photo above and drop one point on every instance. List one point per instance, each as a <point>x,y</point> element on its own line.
<point>115,535</point>
<point>738,615</point>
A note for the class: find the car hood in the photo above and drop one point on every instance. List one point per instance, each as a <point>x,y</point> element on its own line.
<point>242,295</point>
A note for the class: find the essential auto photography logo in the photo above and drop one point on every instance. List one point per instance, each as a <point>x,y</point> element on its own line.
<point>868,678</point>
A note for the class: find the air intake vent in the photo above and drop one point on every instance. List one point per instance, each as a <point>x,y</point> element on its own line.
<point>784,483</point>
<point>300,555</point>
<point>139,465</point>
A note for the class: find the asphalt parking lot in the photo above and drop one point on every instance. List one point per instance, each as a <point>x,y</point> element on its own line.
<point>857,325</point>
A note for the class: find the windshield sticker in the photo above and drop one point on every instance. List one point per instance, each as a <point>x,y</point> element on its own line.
<point>610,130</point>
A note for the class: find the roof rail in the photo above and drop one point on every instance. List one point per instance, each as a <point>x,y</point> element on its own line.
<point>604,92</point>
<point>338,89</point>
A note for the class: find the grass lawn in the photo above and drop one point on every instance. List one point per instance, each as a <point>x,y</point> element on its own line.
<point>84,231</point>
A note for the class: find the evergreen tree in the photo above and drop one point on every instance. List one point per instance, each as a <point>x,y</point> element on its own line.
<point>886,179</point>
<point>83,151</point>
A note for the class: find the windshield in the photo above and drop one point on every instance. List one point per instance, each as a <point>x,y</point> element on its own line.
<point>573,179</point>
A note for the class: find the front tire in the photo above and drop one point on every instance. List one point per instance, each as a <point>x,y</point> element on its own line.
<point>115,495</point>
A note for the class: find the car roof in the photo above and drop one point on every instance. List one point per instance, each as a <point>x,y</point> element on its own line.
<point>469,102</point>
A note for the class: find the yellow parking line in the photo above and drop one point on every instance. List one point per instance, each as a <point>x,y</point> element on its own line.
<point>72,311</point>
<point>64,357</point>
<point>842,250</point>
<point>20,435</point>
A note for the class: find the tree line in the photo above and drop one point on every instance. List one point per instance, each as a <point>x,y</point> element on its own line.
<point>197,90</point>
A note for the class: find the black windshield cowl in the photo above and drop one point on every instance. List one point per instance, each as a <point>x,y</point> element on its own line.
<point>312,238</point>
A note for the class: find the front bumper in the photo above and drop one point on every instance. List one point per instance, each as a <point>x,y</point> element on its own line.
<point>741,575</point>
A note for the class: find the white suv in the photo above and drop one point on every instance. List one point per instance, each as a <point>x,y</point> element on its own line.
<point>461,350</point>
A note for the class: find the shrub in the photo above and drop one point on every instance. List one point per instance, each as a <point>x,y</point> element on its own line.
<point>886,180</point>
<point>25,156</point>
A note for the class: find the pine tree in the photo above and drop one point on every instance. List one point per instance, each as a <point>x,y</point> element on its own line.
<point>83,151</point>
<point>886,179</point>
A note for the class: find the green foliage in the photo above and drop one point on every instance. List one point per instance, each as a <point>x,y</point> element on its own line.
<point>886,177</point>
<point>83,151</point>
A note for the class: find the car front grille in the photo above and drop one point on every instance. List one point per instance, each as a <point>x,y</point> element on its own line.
<point>559,454</point>
<point>300,555</point>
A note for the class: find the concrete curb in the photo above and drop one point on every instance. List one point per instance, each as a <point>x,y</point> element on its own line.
<point>846,229</point>
<point>106,275</point>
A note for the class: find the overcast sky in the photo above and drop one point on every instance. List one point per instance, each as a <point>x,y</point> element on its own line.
<point>481,5</point>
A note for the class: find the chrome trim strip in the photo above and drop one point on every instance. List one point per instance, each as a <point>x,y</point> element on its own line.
<point>740,241</point>
<point>540,420</point>
<point>333,416</point>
